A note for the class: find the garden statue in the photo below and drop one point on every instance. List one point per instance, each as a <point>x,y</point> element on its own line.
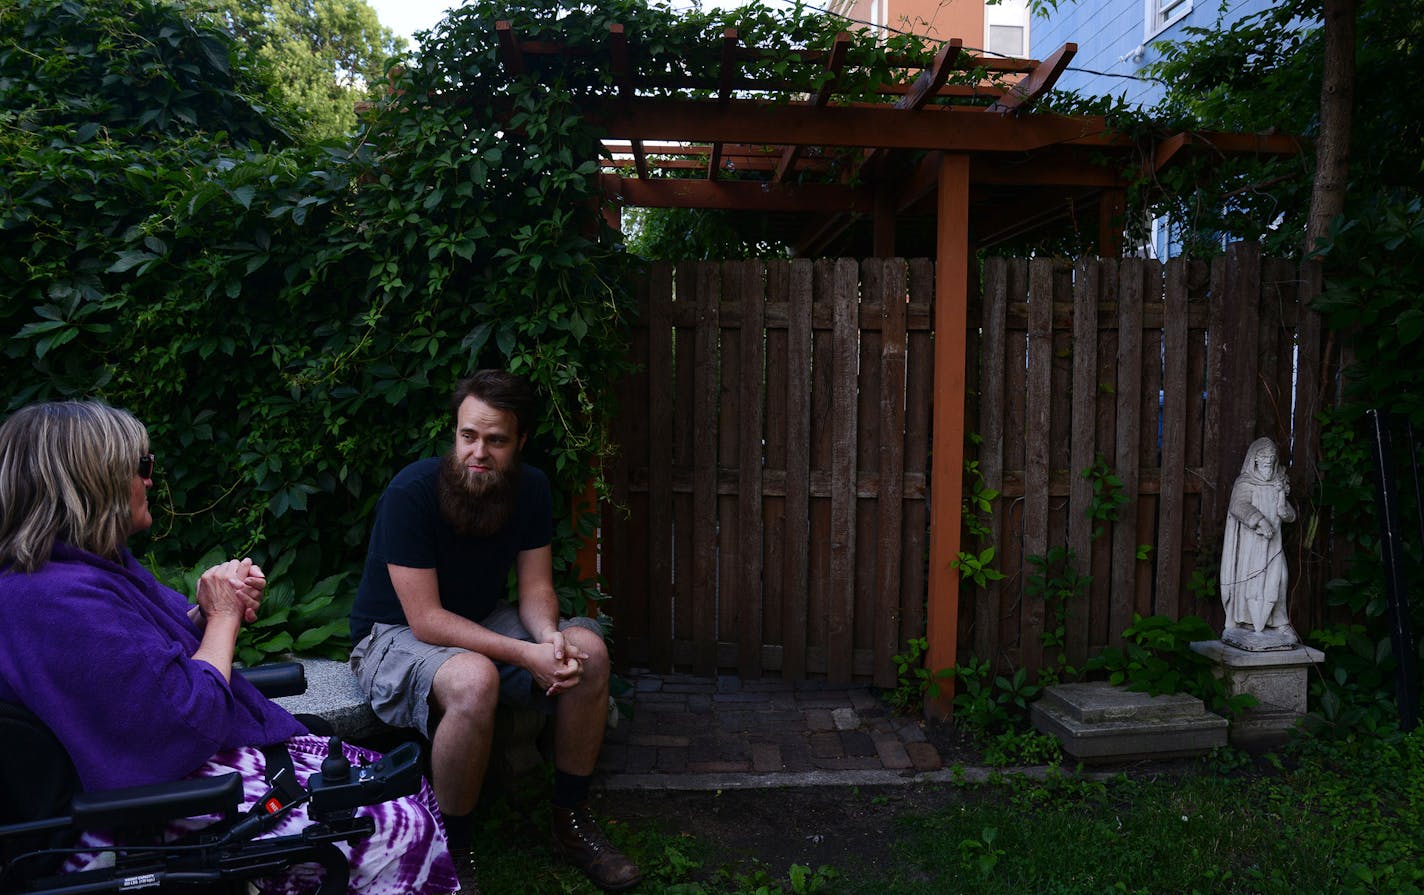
<point>1253,560</point>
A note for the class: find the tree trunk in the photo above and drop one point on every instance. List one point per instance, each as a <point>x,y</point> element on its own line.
<point>1337,103</point>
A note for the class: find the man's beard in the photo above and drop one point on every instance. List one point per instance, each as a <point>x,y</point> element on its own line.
<point>476,504</point>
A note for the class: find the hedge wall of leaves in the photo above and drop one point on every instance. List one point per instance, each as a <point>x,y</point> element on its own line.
<point>288,318</point>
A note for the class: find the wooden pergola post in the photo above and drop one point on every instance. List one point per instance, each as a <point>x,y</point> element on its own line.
<point>947,441</point>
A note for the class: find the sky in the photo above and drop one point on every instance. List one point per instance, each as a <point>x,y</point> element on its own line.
<point>409,16</point>
<point>406,17</point>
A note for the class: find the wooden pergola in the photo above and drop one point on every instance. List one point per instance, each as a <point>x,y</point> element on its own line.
<point>947,160</point>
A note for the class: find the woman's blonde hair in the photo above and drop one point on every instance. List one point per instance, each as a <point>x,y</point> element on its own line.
<point>66,474</point>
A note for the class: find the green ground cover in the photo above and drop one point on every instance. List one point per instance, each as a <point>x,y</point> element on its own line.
<point>1347,820</point>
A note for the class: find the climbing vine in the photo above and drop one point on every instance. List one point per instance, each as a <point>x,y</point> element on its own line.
<point>288,317</point>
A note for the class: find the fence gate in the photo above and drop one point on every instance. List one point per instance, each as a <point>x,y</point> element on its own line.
<point>773,465</point>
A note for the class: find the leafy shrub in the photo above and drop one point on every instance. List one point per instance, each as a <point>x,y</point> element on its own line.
<point>1156,658</point>
<point>288,318</point>
<point>987,702</point>
<point>915,682</point>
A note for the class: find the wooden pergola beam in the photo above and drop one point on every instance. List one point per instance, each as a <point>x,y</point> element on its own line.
<point>724,93</point>
<point>1221,144</point>
<point>623,79</point>
<point>647,118</point>
<point>511,53</point>
<point>739,163</point>
<point>931,80</point>
<point>1039,81</point>
<point>834,63</point>
<point>809,198</point>
<point>820,233</point>
<point>730,151</point>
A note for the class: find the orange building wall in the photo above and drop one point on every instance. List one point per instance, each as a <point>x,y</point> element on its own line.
<point>940,19</point>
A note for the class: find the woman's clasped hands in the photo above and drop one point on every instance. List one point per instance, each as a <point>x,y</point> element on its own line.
<point>233,587</point>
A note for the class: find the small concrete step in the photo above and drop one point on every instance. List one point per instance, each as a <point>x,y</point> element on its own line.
<point>1097,722</point>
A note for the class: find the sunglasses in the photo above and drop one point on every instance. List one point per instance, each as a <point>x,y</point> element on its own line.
<point>145,466</point>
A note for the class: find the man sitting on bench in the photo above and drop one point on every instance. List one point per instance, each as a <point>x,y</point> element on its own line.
<point>438,647</point>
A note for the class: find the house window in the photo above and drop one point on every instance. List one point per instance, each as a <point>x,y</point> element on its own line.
<point>1163,13</point>
<point>1006,40</point>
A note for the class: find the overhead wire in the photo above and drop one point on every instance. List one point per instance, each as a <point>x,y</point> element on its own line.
<point>980,50</point>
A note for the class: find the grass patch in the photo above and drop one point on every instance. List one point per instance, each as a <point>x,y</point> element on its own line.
<point>1346,821</point>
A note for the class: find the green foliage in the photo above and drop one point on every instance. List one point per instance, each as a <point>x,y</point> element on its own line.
<point>1343,822</point>
<point>1019,748</point>
<point>980,854</point>
<point>978,499</point>
<point>1371,298</point>
<point>287,319</point>
<point>1108,495</point>
<point>700,234</point>
<point>1156,658</point>
<point>977,567</point>
<point>1058,583</point>
<point>325,55</point>
<point>987,702</point>
<point>915,682</point>
<point>1354,694</point>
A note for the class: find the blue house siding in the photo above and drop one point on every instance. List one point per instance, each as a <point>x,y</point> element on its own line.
<point>1113,45</point>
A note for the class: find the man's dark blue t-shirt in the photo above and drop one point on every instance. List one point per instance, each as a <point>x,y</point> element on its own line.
<point>409,530</point>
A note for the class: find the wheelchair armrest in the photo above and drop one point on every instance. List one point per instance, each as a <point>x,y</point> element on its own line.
<point>157,802</point>
<point>277,679</point>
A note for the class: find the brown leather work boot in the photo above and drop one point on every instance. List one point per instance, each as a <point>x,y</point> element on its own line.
<point>579,841</point>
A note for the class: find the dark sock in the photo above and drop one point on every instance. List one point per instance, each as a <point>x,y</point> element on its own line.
<point>460,829</point>
<point>570,790</point>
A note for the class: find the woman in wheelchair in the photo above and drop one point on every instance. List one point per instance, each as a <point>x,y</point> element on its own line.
<point>135,683</point>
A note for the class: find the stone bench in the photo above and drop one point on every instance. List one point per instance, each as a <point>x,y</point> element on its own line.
<point>334,696</point>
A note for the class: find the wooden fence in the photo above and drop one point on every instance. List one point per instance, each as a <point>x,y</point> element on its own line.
<point>1160,375</point>
<point>775,450</point>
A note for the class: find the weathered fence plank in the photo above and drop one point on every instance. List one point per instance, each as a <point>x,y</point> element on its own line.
<point>795,572</point>
<point>704,487</point>
<point>1174,443</point>
<point>844,426</point>
<point>748,605</point>
<point>991,449</point>
<point>918,382</point>
<point>1084,388</point>
<point>1036,445</point>
<point>659,497</point>
<point>890,551</point>
<point>1129,434</point>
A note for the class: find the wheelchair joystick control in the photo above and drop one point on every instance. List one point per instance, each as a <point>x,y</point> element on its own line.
<point>335,768</point>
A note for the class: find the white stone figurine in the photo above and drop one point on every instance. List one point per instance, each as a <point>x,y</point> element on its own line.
<point>1253,559</point>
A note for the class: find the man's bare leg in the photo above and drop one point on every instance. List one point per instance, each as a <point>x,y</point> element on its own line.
<point>466,692</point>
<point>581,714</point>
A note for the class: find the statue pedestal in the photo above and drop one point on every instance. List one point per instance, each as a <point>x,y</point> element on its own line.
<point>1277,678</point>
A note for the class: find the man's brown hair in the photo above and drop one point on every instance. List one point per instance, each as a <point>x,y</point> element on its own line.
<point>500,390</point>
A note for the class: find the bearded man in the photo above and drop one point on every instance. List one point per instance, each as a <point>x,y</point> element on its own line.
<point>438,645</point>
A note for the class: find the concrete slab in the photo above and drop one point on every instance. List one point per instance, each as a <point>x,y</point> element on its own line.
<point>1097,722</point>
<point>333,694</point>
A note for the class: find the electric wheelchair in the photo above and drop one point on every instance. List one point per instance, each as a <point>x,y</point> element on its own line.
<point>42,813</point>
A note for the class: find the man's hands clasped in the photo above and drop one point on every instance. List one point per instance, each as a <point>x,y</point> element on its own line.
<point>557,666</point>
